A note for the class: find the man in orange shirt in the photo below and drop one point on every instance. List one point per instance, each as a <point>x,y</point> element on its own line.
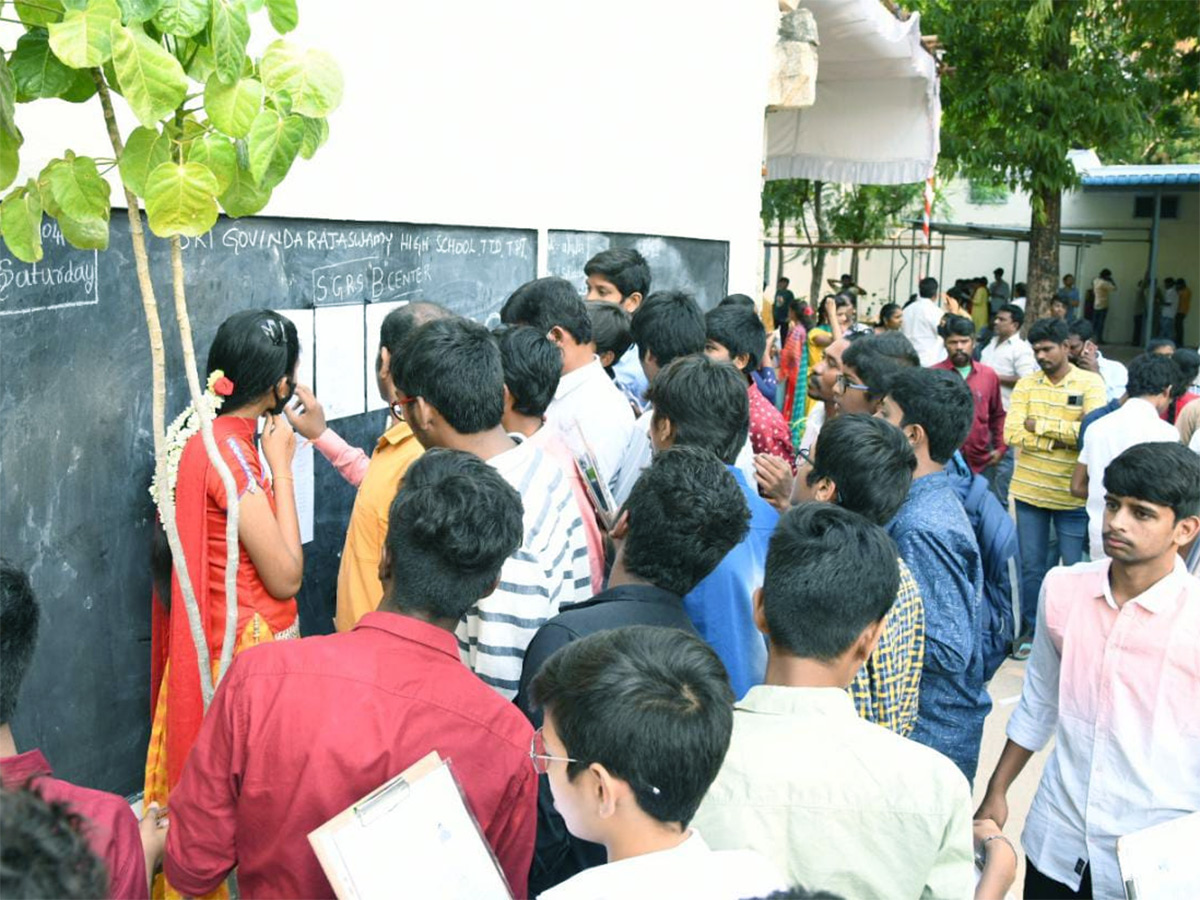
<point>377,477</point>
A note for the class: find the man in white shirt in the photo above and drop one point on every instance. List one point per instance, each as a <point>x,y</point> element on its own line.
<point>921,320</point>
<point>1083,352</point>
<point>1170,307</point>
<point>1007,353</point>
<point>839,803</point>
<point>1011,357</point>
<point>1151,379</point>
<point>636,723</point>
<point>1114,678</point>
<point>586,396</point>
<point>450,389</point>
<point>998,290</point>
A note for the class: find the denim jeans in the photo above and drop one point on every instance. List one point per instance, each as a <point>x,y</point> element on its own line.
<point>1098,317</point>
<point>1033,536</point>
<point>1000,476</point>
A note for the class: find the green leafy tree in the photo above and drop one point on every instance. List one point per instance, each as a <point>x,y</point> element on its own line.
<point>1028,80</point>
<point>217,130</point>
<point>849,214</point>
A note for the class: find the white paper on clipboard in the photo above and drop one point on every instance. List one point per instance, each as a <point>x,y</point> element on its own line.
<point>1160,861</point>
<point>414,836</point>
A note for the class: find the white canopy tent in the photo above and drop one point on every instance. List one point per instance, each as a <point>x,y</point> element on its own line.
<point>877,113</point>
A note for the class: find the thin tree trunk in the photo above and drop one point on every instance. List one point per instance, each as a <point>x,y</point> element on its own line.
<point>779,255</point>
<point>818,269</point>
<point>166,498</point>
<point>210,444</point>
<point>1042,275</point>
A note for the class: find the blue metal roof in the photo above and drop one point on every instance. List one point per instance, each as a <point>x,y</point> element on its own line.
<point>1141,176</point>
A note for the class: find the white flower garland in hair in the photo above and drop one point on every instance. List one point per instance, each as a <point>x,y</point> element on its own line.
<point>187,424</point>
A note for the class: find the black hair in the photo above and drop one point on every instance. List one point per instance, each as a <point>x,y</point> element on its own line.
<point>1166,474</point>
<point>830,574</point>
<point>453,523</point>
<point>400,323</point>
<point>46,852</point>
<point>254,348</point>
<point>19,622</point>
<point>877,357</point>
<point>532,367</point>
<point>738,300</point>
<point>1019,289</point>
<point>870,461</point>
<point>927,287</point>
<point>686,512</point>
<point>1179,282</point>
<point>784,279</point>
<point>668,325</point>
<point>1080,328</point>
<point>940,402</point>
<point>1061,301</point>
<point>739,331</point>
<point>999,272</point>
<point>624,267</point>
<point>1106,273</point>
<point>1150,374</point>
<point>1018,314</point>
<point>611,331</point>
<point>1156,344</point>
<point>1188,362</point>
<point>546,303</point>
<point>706,403</point>
<point>455,365</point>
<point>888,310</point>
<point>956,326</point>
<point>1052,330</point>
<point>651,705</point>
<point>839,300</point>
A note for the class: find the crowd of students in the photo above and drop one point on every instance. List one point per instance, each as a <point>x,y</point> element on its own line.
<point>763,673</point>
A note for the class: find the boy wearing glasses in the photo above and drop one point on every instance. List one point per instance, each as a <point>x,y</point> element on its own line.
<point>637,722</point>
<point>298,730</point>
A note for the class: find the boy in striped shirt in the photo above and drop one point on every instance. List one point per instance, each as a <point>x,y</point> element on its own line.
<point>1044,414</point>
<point>450,390</point>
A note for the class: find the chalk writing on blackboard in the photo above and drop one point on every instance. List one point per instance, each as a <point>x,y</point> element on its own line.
<point>61,279</point>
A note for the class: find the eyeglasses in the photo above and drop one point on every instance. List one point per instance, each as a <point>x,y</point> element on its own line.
<point>844,383</point>
<point>805,455</point>
<point>540,758</point>
<point>397,406</point>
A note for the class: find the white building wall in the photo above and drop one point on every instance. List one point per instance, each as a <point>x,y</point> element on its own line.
<point>1125,251</point>
<point>623,116</point>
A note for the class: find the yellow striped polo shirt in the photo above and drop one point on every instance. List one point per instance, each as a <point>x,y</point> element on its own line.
<point>1042,476</point>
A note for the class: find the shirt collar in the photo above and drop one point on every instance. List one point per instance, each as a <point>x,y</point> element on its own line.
<point>1161,596</point>
<point>642,593</point>
<point>17,770</point>
<point>780,700</point>
<point>931,482</point>
<point>397,434</point>
<point>410,629</point>
<point>1139,406</point>
<point>573,380</point>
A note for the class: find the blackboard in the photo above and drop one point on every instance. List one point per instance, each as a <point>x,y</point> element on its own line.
<point>697,266</point>
<point>76,452</point>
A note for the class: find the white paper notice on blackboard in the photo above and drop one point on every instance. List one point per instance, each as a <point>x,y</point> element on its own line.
<point>340,355</point>
<point>303,319</point>
<point>376,313</point>
<point>302,473</point>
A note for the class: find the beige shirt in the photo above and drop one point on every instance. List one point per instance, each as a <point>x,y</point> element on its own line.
<point>1104,291</point>
<point>840,804</point>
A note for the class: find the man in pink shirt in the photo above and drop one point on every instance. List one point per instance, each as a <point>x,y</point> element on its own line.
<point>532,366</point>
<point>984,445</point>
<point>1114,678</point>
<point>734,333</point>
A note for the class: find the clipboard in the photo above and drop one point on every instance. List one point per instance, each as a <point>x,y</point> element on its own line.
<point>1159,861</point>
<point>412,836</point>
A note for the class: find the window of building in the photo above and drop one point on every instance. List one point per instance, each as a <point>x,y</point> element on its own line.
<point>1143,207</point>
<point>982,193</point>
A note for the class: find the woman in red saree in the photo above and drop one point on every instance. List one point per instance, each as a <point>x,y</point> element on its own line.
<point>255,354</point>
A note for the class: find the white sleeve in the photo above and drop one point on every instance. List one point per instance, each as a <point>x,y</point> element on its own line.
<point>1036,716</point>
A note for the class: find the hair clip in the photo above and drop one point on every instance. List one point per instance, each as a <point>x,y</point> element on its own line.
<point>272,330</point>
